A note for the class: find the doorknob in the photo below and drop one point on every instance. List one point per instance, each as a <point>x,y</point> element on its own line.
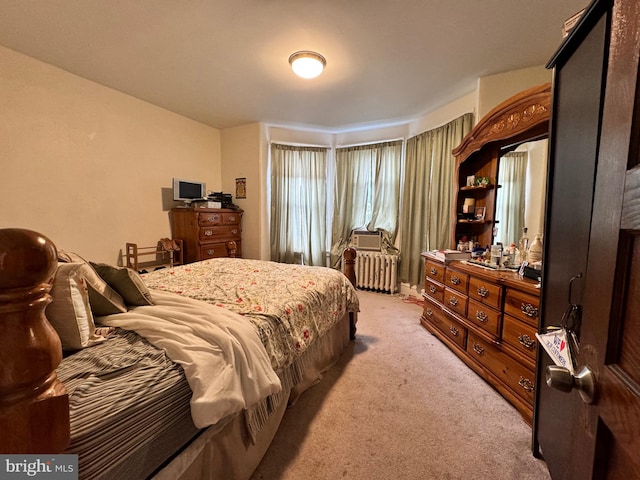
<point>562,379</point>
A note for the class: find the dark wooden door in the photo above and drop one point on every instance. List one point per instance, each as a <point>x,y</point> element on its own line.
<point>602,439</point>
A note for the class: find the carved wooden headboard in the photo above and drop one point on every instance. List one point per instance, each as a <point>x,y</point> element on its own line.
<point>34,407</point>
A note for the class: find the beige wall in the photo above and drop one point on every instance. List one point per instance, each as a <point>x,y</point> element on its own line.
<point>495,89</point>
<point>242,158</point>
<point>88,166</point>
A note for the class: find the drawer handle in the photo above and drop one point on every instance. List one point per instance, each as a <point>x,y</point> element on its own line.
<point>210,252</point>
<point>454,331</point>
<point>433,271</point>
<point>529,310</point>
<point>234,231</point>
<point>453,301</point>
<point>526,341</point>
<point>481,316</point>
<point>429,312</point>
<point>455,280</point>
<point>483,292</point>
<point>432,289</point>
<point>478,349</point>
<point>526,384</point>
<point>208,233</point>
<point>232,219</point>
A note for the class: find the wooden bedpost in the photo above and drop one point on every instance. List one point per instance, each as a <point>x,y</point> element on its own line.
<point>34,406</point>
<point>349,258</point>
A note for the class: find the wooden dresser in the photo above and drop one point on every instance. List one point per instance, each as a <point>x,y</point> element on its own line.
<point>489,319</point>
<point>206,232</point>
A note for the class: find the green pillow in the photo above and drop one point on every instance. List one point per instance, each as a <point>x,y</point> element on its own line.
<point>126,282</point>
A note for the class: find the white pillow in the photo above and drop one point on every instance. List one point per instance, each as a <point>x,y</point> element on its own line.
<point>70,312</point>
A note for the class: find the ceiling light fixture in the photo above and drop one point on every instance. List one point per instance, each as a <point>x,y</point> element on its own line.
<point>307,64</point>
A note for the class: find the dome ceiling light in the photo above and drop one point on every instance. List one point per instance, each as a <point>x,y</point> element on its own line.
<point>307,64</point>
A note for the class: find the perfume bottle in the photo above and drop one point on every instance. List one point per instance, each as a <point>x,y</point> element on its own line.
<point>523,245</point>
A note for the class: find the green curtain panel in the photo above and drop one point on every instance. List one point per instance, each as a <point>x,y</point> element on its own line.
<point>510,201</point>
<point>367,193</point>
<point>427,196</point>
<point>298,204</point>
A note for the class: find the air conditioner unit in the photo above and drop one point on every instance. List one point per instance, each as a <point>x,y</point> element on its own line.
<point>365,240</point>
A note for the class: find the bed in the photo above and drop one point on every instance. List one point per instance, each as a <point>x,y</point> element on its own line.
<point>180,373</point>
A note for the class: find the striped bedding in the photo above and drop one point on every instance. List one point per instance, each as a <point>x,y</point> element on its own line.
<point>127,398</point>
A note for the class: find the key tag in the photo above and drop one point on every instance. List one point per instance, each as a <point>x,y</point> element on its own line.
<point>556,344</point>
<point>561,343</point>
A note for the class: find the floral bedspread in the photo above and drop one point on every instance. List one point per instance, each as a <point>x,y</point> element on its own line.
<point>290,305</point>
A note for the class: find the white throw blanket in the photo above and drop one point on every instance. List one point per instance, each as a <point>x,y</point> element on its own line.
<point>225,363</point>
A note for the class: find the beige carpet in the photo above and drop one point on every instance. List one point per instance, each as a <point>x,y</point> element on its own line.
<point>400,405</point>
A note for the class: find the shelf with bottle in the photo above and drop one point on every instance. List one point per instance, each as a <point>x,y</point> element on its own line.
<point>468,188</point>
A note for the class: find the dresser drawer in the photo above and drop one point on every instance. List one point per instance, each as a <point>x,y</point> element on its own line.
<point>520,336</point>
<point>451,329</point>
<point>209,234</point>
<point>485,292</point>
<point>522,306</point>
<point>512,373</point>
<point>434,271</point>
<point>456,280</point>
<point>209,219</point>
<point>231,218</point>
<point>213,250</point>
<point>455,301</point>
<point>485,317</point>
<point>434,290</point>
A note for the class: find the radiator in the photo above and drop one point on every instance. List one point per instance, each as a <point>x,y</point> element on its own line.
<point>377,271</point>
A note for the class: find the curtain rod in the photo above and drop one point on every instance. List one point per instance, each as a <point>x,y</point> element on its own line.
<point>293,144</point>
<point>402,139</point>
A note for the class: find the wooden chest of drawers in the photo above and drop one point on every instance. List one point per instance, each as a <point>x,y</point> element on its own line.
<point>489,319</point>
<point>206,232</point>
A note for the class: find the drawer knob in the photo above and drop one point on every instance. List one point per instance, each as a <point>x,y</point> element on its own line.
<point>478,349</point>
<point>481,316</point>
<point>453,301</point>
<point>208,233</point>
<point>232,219</point>
<point>455,280</point>
<point>210,251</point>
<point>432,289</point>
<point>483,292</point>
<point>454,331</point>
<point>529,310</point>
<point>429,312</point>
<point>526,341</point>
<point>526,384</point>
<point>433,271</point>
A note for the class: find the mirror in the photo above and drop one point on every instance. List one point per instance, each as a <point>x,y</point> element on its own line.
<point>522,175</point>
<point>519,122</point>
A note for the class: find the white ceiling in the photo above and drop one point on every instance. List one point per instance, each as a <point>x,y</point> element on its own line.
<point>224,62</point>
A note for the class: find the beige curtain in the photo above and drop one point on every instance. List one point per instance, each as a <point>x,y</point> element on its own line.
<point>510,200</point>
<point>367,193</point>
<point>298,204</point>
<point>427,196</point>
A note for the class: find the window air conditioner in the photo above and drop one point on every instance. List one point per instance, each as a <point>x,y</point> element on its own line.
<point>365,240</point>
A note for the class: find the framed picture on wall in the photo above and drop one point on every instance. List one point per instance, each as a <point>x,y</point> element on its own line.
<point>480,211</point>
<point>241,188</point>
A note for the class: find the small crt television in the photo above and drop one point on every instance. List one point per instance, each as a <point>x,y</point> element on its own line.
<point>187,191</point>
